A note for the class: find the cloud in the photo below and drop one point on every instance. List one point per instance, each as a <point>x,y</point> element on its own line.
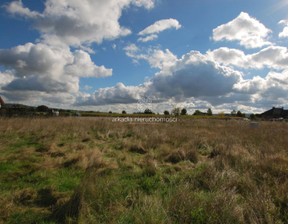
<point>33,98</point>
<point>155,57</point>
<point>158,27</point>
<point>148,4</point>
<point>228,56</point>
<point>255,93</point>
<point>119,94</point>
<point>43,68</point>
<point>31,59</point>
<point>251,86</point>
<point>6,77</point>
<point>194,75</point>
<point>82,66</point>
<point>274,57</point>
<point>161,59</point>
<point>16,7</point>
<point>196,81</point>
<point>148,38</point>
<point>284,33</point>
<point>49,71</point>
<point>266,92</point>
<point>247,30</point>
<point>66,84</point>
<point>87,87</point>
<point>198,78</point>
<point>131,48</point>
<point>132,51</point>
<point>75,23</point>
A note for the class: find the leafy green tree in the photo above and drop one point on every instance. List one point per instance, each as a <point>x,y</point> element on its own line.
<point>148,111</point>
<point>124,112</point>
<point>166,112</point>
<point>43,108</point>
<point>239,114</point>
<point>197,112</point>
<point>209,112</point>
<point>176,111</point>
<point>183,111</point>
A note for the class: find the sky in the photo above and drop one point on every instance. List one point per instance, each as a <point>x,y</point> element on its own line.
<point>114,55</point>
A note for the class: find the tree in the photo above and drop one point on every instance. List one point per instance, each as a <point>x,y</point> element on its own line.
<point>183,111</point>
<point>176,111</point>
<point>233,113</point>
<point>124,112</point>
<point>42,108</point>
<point>148,111</point>
<point>197,112</point>
<point>166,112</point>
<point>239,114</point>
<point>209,112</point>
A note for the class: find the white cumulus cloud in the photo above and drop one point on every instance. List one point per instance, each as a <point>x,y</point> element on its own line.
<point>16,7</point>
<point>78,22</point>
<point>6,77</point>
<point>194,75</point>
<point>228,56</point>
<point>160,26</point>
<point>267,91</point>
<point>83,66</point>
<point>161,59</point>
<point>274,57</point>
<point>44,68</point>
<point>119,94</point>
<point>247,30</point>
<point>155,57</point>
<point>284,33</point>
<point>148,38</point>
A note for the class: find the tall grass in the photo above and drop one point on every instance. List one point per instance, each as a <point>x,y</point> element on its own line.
<point>93,170</point>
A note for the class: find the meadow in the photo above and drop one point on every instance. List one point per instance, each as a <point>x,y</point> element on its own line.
<point>93,170</point>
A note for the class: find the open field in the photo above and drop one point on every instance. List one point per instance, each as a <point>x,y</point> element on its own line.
<point>93,170</point>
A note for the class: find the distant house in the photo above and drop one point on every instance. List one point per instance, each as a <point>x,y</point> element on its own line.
<point>55,113</point>
<point>275,113</point>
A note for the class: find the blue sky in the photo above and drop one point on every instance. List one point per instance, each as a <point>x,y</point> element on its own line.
<point>115,54</point>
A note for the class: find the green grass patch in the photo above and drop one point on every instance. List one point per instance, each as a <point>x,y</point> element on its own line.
<point>65,180</point>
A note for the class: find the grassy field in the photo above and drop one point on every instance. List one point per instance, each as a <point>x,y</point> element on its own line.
<point>93,170</point>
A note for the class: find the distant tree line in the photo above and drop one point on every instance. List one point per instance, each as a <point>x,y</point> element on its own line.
<point>43,110</point>
<point>12,110</point>
<point>237,114</point>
